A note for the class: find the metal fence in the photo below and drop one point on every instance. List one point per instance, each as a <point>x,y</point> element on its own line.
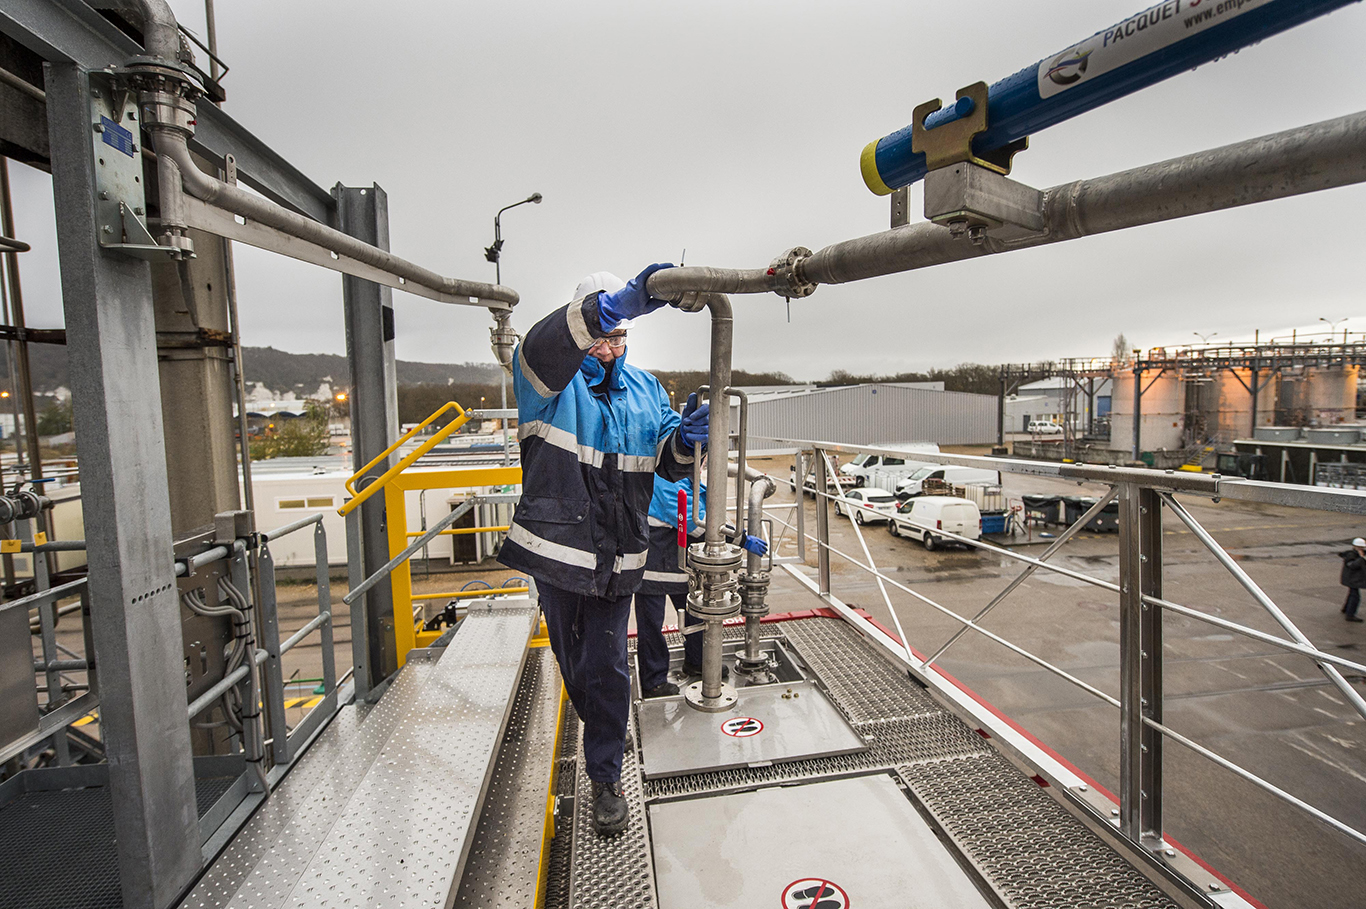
<point>1143,496</point>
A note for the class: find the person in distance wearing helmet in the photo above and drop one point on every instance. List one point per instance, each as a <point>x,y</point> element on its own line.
<point>1353,577</point>
<point>594,431</point>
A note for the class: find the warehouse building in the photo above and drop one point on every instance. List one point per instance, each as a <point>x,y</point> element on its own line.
<point>875,412</point>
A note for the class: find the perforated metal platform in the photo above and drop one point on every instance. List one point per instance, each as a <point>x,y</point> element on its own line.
<point>1021,844</point>
<point>380,810</point>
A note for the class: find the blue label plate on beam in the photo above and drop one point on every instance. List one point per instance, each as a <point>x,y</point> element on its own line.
<point>117,137</point>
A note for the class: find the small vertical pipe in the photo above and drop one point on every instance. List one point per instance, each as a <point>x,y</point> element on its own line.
<point>21,363</point>
<point>1138,408</point>
<point>822,526</point>
<point>325,608</point>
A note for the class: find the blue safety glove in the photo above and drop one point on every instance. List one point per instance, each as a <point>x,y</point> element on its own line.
<point>693,429</point>
<point>754,544</point>
<point>631,301</point>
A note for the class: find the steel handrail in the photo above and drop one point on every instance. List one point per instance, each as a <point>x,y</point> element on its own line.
<point>458,531</point>
<point>469,594</point>
<point>436,439</point>
<point>287,529</point>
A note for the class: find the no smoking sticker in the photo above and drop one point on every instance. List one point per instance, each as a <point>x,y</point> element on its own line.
<point>814,893</point>
<point>742,727</point>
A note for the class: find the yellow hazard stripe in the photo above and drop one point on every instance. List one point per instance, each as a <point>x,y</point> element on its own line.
<point>873,179</point>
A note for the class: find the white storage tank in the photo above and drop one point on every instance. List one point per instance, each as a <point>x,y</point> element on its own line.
<point>1162,409</point>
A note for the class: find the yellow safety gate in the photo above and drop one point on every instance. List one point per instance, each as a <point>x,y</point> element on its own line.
<point>396,482</point>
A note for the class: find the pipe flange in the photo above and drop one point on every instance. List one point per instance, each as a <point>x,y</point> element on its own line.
<point>728,559</point>
<point>788,272</point>
<point>719,704</point>
<point>715,605</point>
<point>168,110</point>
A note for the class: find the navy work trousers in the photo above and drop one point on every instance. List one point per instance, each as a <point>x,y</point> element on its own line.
<point>652,654</point>
<point>588,635</point>
<point>1350,607</point>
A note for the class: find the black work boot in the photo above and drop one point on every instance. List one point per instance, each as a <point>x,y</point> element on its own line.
<point>609,809</point>
<point>662,690</point>
<point>694,671</point>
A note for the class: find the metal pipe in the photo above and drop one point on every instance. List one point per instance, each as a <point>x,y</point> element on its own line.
<point>718,427</point>
<point>456,514</point>
<point>289,528</point>
<point>313,623</point>
<point>171,143</point>
<point>1092,73</point>
<point>160,33</point>
<point>1296,161</point>
<point>1024,575</point>
<point>1289,163</point>
<point>1257,781</point>
<point>1265,601</point>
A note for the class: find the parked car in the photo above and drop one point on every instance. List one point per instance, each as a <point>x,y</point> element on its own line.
<point>920,518</point>
<point>809,481</point>
<point>1044,428</point>
<point>914,485</point>
<point>886,470</point>
<point>870,504</point>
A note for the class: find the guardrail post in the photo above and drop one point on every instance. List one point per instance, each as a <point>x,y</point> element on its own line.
<point>47,626</point>
<point>325,608</point>
<point>1140,671</point>
<point>799,472</point>
<point>271,672</point>
<point>360,629</point>
<point>822,523</point>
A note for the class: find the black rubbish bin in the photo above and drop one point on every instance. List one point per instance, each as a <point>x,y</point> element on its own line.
<point>1048,509</point>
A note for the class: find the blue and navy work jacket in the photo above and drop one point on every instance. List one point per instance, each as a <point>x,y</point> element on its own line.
<point>662,573</point>
<point>592,439</point>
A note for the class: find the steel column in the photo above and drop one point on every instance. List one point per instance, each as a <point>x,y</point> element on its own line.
<point>135,613</point>
<point>1140,670</point>
<point>364,213</point>
<point>271,672</point>
<point>822,525</point>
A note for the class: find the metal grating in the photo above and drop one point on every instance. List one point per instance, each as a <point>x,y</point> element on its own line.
<point>615,871</point>
<point>890,744</point>
<point>562,846</point>
<point>504,858</point>
<point>866,686</point>
<point>1029,849</point>
<point>402,839</point>
<point>57,851</point>
<point>263,861</point>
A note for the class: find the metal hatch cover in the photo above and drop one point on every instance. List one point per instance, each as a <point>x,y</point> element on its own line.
<point>842,844</point>
<point>772,723</point>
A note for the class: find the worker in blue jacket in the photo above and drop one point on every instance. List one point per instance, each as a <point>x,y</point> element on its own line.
<point>664,578</point>
<point>594,430</point>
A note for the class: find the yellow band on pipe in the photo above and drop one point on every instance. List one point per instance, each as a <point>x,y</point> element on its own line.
<point>873,179</point>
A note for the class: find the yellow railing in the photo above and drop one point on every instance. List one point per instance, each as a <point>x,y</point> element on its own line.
<point>437,438</point>
<point>396,483</point>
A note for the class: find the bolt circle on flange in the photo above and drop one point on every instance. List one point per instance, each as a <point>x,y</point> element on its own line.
<point>726,700</point>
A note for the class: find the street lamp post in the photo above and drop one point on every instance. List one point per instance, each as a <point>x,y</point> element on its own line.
<point>1333,328</point>
<point>494,254</point>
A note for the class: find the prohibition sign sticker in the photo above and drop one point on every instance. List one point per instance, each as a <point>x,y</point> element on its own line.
<point>742,727</point>
<point>814,893</point>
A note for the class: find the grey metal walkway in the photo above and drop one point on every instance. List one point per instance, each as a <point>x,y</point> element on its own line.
<point>381,809</point>
<point>1021,844</point>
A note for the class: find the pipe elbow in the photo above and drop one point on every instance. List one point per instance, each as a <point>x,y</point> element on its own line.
<point>160,31</point>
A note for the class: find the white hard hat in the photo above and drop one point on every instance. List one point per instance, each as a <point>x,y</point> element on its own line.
<point>598,280</point>
<point>1359,542</point>
<point>602,280</point>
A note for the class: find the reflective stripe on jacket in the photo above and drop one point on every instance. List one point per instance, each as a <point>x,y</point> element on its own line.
<point>662,574</point>
<point>592,439</point>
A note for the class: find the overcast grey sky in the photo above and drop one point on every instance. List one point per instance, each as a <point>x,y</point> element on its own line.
<point>733,129</point>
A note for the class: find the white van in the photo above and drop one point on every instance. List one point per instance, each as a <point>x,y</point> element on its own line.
<point>920,517</point>
<point>914,485</point>
<point>886,471</point>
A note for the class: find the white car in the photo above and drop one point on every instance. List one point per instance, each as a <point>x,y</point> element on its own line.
<point>867,504</point>
<point>919,518</point>
<point>1044,428</point>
